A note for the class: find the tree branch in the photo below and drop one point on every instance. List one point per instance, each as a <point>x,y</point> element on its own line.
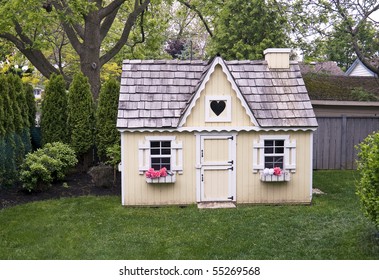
<point>114,5</point>
<point>193,8</point>
<point>138,9</point>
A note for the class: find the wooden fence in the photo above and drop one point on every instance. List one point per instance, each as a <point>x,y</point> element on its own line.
<point>335,140</point>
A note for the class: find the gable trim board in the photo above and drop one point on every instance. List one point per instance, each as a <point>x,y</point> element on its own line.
<point>213,154</point>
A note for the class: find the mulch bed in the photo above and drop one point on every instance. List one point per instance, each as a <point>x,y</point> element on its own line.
<point>75,184</point>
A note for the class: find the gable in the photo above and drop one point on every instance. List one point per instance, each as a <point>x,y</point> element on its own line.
<point>218,105</point>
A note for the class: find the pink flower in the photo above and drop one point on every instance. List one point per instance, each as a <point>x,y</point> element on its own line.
<point>277,171</point>
<point>163,172</point>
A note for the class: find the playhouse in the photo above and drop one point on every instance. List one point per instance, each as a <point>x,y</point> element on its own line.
<point>217,131</point>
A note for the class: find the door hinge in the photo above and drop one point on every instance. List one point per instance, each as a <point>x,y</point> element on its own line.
<point>230,162</point>
<point>230,197</point>
<point>231,168</point>
<point>202,177</point>
<point>231,138</point>
<point>202,153</point>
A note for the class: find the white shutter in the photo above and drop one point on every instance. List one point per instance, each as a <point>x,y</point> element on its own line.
<point>177,156</point>
<point>143,156</point>
<point>290,155</point>
<point>258,156</point>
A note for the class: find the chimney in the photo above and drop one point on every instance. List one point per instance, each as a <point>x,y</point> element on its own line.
<point>277,58</point>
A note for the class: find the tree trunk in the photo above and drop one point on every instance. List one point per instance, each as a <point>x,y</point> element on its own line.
<point>90,53</point>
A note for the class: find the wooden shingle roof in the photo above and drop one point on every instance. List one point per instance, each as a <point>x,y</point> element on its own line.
<point>157,93</point>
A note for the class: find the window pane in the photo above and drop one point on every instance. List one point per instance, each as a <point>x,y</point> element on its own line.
<point>154,144</point>
<point>269,150</point>
<point>269,143</point>
<point>279,150</point>
<point>166,151</point>
<point>166,144</point>
<point>155,151</point>
<point>279,143</point>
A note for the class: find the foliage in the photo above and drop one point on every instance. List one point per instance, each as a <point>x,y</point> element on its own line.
<point>360,94</point>
<point>31,104</point>
<point>106,117</point>
<point>114,154</point>
<point>368,185</point>
<point>244,29</point>
<point>54,111</point>
<point>45,165</point>
<point>14,127</point>
<point>81,121</point>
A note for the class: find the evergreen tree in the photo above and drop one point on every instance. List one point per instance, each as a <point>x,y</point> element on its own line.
<point>106,117</point>
<point>81,121</point>
<point>244,29</point>
<point>54,111</point>
<point>31,104</point>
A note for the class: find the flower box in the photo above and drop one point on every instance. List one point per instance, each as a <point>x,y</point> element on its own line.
<point>283,177</point>
<point>169,179</point>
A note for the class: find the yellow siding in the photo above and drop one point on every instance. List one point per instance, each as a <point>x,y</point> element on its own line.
<point>218,85</point>
<point>138,192</point>
<point>249,188</point>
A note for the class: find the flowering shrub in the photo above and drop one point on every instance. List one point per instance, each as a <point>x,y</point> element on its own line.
<point>151,173</point>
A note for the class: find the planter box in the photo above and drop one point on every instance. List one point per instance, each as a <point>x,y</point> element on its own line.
<point>284,177</point>
<point>169,179</point>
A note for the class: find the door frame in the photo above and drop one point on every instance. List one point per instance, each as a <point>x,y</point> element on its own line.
<point>199,166</point>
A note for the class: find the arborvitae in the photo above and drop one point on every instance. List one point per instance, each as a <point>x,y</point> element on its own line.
<point>8,153</point>
<point>54,111</point>
<point>31,103</point>
<point>106,117</point>
<point>3,89</point>
<point>81,121</point>
<point>15,87</point>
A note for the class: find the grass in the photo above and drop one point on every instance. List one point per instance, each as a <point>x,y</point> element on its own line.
<point>100,228</point>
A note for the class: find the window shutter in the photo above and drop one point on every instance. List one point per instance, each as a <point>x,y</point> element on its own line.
<point>258,158</point>
<point>143,156</point>
<point>177,156</point>
<point>290,155</point>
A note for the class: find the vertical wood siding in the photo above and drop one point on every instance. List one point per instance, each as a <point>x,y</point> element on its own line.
<point>335,140</point>
<point>250,189</point>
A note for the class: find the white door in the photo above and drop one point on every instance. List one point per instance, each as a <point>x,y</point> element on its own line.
<point>217,168</point>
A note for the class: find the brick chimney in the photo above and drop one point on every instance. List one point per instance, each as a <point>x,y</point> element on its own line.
<point>277,58</point>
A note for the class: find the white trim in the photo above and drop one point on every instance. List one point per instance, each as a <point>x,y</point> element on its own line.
<point>226,129</point>
<point>311,174</point>
<point>160,138</point>
<point>277,50</point>
<point>208,111</point>
<point>217,61</point>
<point>123,167</point>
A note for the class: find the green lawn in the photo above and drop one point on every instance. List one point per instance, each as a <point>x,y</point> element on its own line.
<point>100,228</point>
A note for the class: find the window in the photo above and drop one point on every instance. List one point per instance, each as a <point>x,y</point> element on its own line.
<point>160,154</point>
<point>160,151</point>
<point>273,153</point>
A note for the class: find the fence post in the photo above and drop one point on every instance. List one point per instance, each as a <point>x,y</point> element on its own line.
<point>343,141</point>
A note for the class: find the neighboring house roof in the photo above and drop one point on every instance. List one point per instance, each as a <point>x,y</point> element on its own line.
<point>343,88</point>
<point>159,93</point>
<point>325,67</point>
<point>359,69</point>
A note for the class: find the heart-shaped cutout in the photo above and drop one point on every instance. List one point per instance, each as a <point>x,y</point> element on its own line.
<point>218,107</point>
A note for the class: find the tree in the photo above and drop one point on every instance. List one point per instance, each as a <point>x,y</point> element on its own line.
<point>82,25</point>
<point>350,22</point>
<point>54,111</point>
<point>106,117</point>
<point>244,29</point>
<point>81,121</point>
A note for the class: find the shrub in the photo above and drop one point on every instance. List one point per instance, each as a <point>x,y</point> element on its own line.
<point>81,114</point>
<point>106,117</point>
<point>368,185</point>
<point>45,165</point>
<point>54,111</point>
